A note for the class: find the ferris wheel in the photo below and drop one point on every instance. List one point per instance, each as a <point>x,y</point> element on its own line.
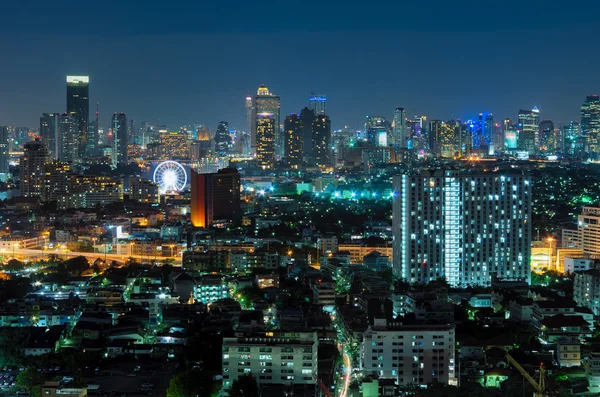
<point>170,176</point>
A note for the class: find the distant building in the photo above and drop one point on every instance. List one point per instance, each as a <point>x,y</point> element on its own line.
<point>143,190</point>
<point>401,137</point>
<point>318,104</point>
<point>67,145</point>
<point>49,132</point>
<point>265,140</point>
<point>4,156</point>
<point>294,141</point>
<point>215,197</point>
<point>265,102</point>
<point>586,290</point>
<point>590,122</point>
<point>441,230</point>
<point>119,147</point>
<point>31,169</point>
<point>529,128</point>
<point>78,104</point>
<point>378,131</point>
<point>223,143</point>
<point>321,140</point>
<point>174,145</point>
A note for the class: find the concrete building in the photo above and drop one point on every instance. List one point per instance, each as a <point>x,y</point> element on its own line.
<point>410,354</point>
<point>274,358</point>
<point>586,290</point>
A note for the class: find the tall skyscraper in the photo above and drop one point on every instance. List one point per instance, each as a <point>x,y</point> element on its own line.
<point>31,169</point>
<point>248,148</point>
<point>378,130</point>
<point>215,197</point>
<point>67,146</point>
<point>463,226</point>
<point>444,138</point>
<point>307,117</point>
<point>119,146</point>
<point>265,140</point>
<point>590,122</point>
<point>547,136</point>
<point>267,102</point>
<point>222,139</point>
<point>3,150</point>
<point>435,134</point>
<point>49,132</point>
<point>318,104</point>
<point>321,140</point>
<point>573,141</point>
<point>401,138</point>
<point>529,129</point>
<point>78,103</point>
<point>498,138</point>
<point>294,141</point>
<point>482,132</point>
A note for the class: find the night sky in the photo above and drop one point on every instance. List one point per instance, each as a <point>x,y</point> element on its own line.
<point>178,64</point>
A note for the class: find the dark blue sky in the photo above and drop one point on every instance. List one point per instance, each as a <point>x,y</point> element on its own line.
<point>184,64</point>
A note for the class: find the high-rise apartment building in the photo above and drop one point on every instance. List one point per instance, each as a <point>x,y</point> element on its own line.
<point>223,143</point>
<point>275,358</point>
<point>590,122</point>
<point>318,104</point>
<point>444,138</point>
<point>588,225</point>
<point>573,141</point>
<point>31,169</point>
<point>56,180</point>
<point>401,138</point>
<point>67,145</point>
<point>265,140</point>
<point>529,128</point>
<point>265,102</point>
<point>321,140</point>
<point>463,226</point>
<point>143,190</point>
<point>548,138</point>
<point>215,197</point>
<point>4,156</point>
<point>119,146</point>
<point>49,127</point>
<point>294,141</point>
<point>78,103</point>
<point>410,354</point>
<point>174,146</point>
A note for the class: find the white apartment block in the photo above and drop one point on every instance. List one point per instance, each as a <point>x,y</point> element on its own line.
<point>586,290</point>
<point>280,358</point>
<point>409,354</point>
<point>464,226</point>
<point>588,225</point>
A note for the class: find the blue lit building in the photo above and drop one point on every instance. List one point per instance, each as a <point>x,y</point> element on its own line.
<point>318,104</point>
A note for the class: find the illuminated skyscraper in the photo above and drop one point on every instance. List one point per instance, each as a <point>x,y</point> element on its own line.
<point>401,138</point>
<point>266,102</point>
<point>222,139</point>
<point>215,197</point>
<point>49,132</point>
<point>498,138</point>
<point>3,150</point>
<point>31,169</point>
<point>573,140</point>
<point>529,128</point>
<point>294,141</point>
<point>247,148</point>
<point>174,146</point>
<point>321,141</point>
<point>444,138</point>
<point>265,140</point>
<point>318,104</point>
<point>548,143</point>
<point>119,147</point>
<point>67,149</point>
<point>378,130</point>
<point>463,226</point>
<point>78,103</point>
<point>590,122</point>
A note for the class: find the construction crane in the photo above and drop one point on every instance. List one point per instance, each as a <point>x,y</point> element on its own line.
<point>539,387</point>
<point>322,386</point>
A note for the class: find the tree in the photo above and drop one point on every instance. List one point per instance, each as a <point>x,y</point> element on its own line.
<point>192,383</point>
<point>30,379</point>
<point>244,386</point>
<point>14,265</point>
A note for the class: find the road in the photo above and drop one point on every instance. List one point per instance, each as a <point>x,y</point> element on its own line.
<point>38,253</point>
<point>348,375</point>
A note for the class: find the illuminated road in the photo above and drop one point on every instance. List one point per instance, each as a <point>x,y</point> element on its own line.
<point>32,253</point>
<point>348,375</point>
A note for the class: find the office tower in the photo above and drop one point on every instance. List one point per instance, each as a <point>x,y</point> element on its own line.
<point>498,138</point>
<point>466,139</point>
<point>294,141</point>
<point>434,136</point>
<point>4,156</point>
<point>401,138</point>
<point>321,140</point>
<point>547,136</point>
<point>143,190</point>
<point>487,129</point>
<point>265,140</point>
<point>307,117</point>
<point>78,103</point>
<point>266,102</point>
<point>222,139</point>
<point>409,354</point>
<point>590,122</point>
<point>67,147</point>
<point>119,146</point>
<point>174,146</point>
<point>215,197</point>
<point>573,140</point>
<point>529,122</point>
<point>449,139</point>
<point>49,126</point>
<point>281,358</point>
<point>464,226</point>
<point>318,104</point>
<point>201,133</point>
<point>378,130</point>
<point>56,180</point>
<point>31,168</point>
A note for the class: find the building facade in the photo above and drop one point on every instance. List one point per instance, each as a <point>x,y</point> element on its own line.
<point>119,146</point>
<point>31,169</point>
<point>462,226</point>
<point>266,102</point>
<point>215,197</point>
<point>265,140</point>
<point>294,141</point>
<point>78,104</point>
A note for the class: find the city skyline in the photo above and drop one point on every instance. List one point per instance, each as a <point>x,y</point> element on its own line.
<point>462,83</point>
